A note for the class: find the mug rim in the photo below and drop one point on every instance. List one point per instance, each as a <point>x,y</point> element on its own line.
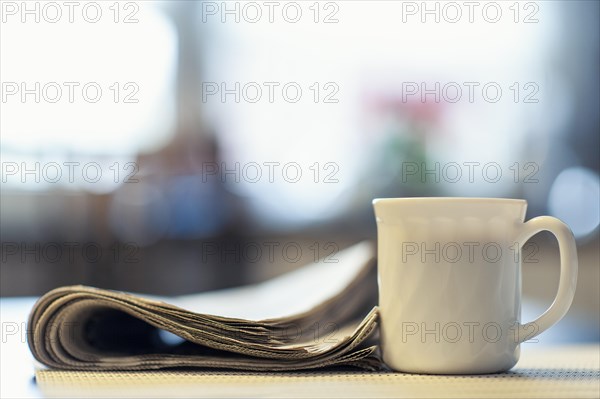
<point>450,199</point>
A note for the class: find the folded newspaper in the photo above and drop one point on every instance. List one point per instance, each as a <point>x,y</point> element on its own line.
<point>320,315</point>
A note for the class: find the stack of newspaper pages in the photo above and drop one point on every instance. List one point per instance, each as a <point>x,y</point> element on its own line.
<point>320,315</point>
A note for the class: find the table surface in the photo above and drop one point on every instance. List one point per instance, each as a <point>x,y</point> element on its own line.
<point>544,371</point>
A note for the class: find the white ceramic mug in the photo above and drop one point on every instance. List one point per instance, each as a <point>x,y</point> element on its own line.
<point>449,272</point>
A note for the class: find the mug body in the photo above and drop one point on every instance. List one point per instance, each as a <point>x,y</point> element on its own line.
<point>449,283</point>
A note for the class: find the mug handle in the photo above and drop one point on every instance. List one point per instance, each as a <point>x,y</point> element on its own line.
<point>568,274</point>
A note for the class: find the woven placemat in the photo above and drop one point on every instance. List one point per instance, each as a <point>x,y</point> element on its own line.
<point>542,372</point>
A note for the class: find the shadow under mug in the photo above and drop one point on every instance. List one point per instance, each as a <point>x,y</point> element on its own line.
<point>449,275</point>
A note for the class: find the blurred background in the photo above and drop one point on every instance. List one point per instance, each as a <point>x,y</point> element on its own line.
<point>183,146</point>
